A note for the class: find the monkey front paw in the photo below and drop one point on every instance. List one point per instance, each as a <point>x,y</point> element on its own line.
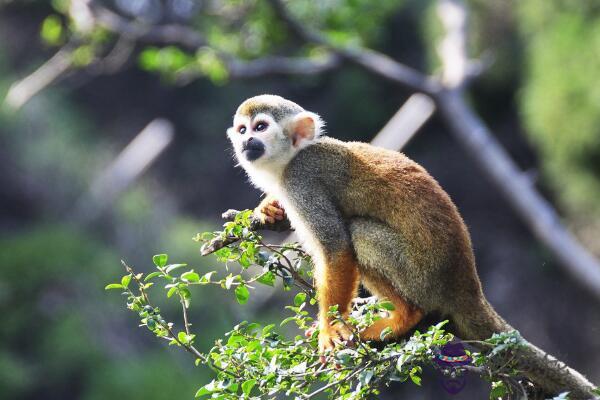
<point>270,213</point>
<point>332,337</point>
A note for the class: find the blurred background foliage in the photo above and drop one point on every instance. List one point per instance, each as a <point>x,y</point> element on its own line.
<point>560,108</point>
<point>62,337</point>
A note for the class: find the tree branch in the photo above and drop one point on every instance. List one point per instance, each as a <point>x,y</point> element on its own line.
<point>479,141</point>
<point>22,91</point>
<point>219,242</point>
<point>372,61</point>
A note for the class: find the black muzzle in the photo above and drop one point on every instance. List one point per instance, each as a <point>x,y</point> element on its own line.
<point>253,149</point>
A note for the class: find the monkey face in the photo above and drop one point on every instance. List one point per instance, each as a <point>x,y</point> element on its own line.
<point>260,141</point>
<point>267,132</point>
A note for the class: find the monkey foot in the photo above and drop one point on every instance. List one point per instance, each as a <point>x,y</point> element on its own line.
<point>331,337</point>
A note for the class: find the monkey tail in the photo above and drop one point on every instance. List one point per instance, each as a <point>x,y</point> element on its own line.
<point>546,372</point>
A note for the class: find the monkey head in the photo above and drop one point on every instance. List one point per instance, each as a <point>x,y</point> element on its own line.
<point>269,130</point>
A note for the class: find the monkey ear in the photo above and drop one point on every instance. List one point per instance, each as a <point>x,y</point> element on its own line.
<point>304,126</point>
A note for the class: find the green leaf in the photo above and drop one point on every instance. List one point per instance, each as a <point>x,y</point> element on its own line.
<point>413,375</point>
<point>385,332</point>
<point>365,376</point>
<point>267,329</point>
<point>171,291</point>
<point>52,30</point>
<point>245,260</point>
<point>173,267</point>
<point>212,66</point>
<point>416,379</point>
<point>126,280</point>
<point>185,338</point>
<point>182,337</point>
<point>285,321</point>
<point>190,276</point>
<point>83,55</point>
<point>152,275</point>
<point>186,295</point>
<point>203,391</point>
<point>498,390</point>
<point>114,286</point>
<point>268,278</point>
<point>242,294</point>
<point>387,305</point>
<point>229,280</point>
<point>247,386</point>
<point>299,299</point>
<point>204,279</point>
<point>160,260</point>
<point>149,59</point>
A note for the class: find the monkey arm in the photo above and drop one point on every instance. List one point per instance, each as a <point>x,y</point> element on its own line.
<point>320,224</point>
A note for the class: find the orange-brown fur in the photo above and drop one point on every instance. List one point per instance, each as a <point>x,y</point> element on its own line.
<point>337,284</point>
<point>400,320</point>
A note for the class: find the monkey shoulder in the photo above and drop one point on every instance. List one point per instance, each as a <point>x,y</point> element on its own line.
<point>323,162</point>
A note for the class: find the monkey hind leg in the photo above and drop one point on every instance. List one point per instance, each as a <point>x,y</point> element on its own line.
<point>400,320</point>
<point>380,254</point>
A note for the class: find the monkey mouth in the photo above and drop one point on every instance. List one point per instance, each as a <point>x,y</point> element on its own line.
<point>253,150</point>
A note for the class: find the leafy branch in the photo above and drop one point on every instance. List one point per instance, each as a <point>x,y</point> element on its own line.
<point>255,361</point>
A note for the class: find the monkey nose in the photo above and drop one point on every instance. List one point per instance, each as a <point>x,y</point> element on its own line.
<point>253,148</point>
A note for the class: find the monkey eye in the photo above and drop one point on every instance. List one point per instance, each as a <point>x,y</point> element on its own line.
<point>242,129</point>
<point>261,126</point>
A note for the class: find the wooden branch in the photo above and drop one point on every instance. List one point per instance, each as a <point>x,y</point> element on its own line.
<point>374,62</point>
<point>124,170</point>
<point>453,47</point>
<point>269,66</point>
<point>22,91</point>
<point>182,35</point>
<point>405,124</point>
<point>544,370</point>
<point>537,213</point>
<point>282,66</point>
<point>256,225</point>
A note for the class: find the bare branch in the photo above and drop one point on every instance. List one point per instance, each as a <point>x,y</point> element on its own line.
<point>375,62</point>
<point>267,66</point>
<point>405,123</point>
<point>22,91</point>
<point>131,163</point>
<point>181,35</point>
<point>516,186</point>
<point>452,48</point>
<point>282,66</point>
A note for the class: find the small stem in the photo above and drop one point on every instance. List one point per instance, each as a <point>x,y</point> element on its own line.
<point>329,385</point>
<point>289,268</point>
<point>186,324</point>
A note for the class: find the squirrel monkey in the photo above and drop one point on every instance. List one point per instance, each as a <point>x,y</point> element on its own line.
<point>366,215</point>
